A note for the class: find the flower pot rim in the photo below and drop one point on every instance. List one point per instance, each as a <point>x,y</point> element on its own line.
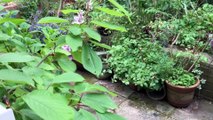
<point>182,87</point>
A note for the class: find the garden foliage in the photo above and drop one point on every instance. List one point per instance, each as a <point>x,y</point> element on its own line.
<point>38,72</point>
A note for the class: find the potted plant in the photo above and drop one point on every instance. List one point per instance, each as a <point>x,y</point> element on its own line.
<point>141,63</point>
<point>185,76</point>
<point>181,87</point>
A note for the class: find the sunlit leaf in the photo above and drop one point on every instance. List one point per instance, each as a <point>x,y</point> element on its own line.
<point>121,8</point>
<point>68,77</point>
<point>110,26</point>
<point>110,11</point>
<point>52,20</point>
<point>13,20</point>
<point>15,57</point>
<point>92,34</point>
<point>68,11</point>
<point>15,76</point>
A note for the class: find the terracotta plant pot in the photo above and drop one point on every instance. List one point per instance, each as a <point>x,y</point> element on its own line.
<point>180,96</point>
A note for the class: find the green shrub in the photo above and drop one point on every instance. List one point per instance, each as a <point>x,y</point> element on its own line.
<point>181,77</point>
<point>192,28</point>
<point>140,62</point>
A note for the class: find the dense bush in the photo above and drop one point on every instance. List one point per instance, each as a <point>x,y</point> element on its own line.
<point>192,28</point>
<point>140,62</point>
<point>169,23</point>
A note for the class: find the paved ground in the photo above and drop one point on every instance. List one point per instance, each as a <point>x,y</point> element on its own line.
<point>137,106</point>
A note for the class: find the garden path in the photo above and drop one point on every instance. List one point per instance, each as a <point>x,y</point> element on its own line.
<point>137,106</point>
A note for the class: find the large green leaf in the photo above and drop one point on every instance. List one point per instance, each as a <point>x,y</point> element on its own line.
<point>49,106</point>
<point>4,37</point>
<point>69,11</point>
<point>121,8</point>
<point>86,87</point>
<point>110,26</point>
<point>101,45</point>
<point>109,116</point>
<point>77,56</point>
<point>74,42</point>
<point>99,102</point>
<point>110,11</point>
<point>67,65</point>
<point>15,76</point>
<point>27,113</point>
<point>75,30</point>
<point>13,20</point>
<point>15,57</point>
<point>84,115</point>
<point>92,34</point>
<point>52,20</point>
<point>68,77</point>
<point>91,61</point>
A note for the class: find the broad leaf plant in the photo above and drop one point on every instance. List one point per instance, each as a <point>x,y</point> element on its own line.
<point>38,78</point>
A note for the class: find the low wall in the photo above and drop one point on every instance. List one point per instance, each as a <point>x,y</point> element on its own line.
<point>207,88</point>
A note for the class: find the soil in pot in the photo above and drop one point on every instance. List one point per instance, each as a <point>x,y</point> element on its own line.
<point>180,96</point>
<point>156,95</point>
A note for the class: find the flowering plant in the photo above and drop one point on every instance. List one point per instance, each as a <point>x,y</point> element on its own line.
<point>35,71</point>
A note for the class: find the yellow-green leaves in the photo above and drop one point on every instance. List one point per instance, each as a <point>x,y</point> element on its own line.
<point>92,34</point>
<point>68,11</point>
<point>13,20</point>
<point>111,11</point>
<point>110,26</point>
<point>68,77</point>
<point>52,20</point>
<point>15,57</point>
<point>121,8</point>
